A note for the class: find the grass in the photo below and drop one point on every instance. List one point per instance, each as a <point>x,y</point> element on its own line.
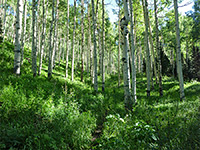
<point>42,113</point>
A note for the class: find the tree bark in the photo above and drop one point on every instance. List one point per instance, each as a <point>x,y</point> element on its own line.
<point>83,40</point>
<point>124,22</point>
<point>4,20</point>
<point>50,43</point>
<point>37,29</point>
<point>73,40</point>
<point>95,49</point>
<point>67,40</point>
<point>158,50</point>
<point>55,36</point>
<point>103,47</point>
<point>178,50</point>
<point>148,63</point>
<point>23,31</point>
<point>18,26</point>
<point>119,44</point>
<point>133,54</point>
<point>34,48</point>
<point>43,35</point>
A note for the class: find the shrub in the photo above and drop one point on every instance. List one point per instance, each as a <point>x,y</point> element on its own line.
<point>125,133</point>
<point>32,123</point>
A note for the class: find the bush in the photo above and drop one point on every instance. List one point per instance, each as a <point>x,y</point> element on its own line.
<point>32,123</point>
<point>125,133</point>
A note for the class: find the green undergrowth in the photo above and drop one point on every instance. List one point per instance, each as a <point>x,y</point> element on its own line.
<point>155,122</point>
<point>41,113</point>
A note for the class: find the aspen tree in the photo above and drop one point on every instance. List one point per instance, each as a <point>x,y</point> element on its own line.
<point>124,23</point>
<point>119,45</point>
<point>95,53</point>
<point>23,31</point>
<point>43,35</point>
<point>83,40</point>
<point>133,54</point>
<point>152,49</point>
<point>37,29</point>
<point>55,36</point>
<point>50,43</point>
<point>67,40</point>
<point>4,20</point>
<point>73,40</point>
<point>158,50</point>
<point>89,39</point>
<point>103,47</point>
<point>34,48</point>
<point>178,51</point>
<point>18,26</point>
<point>148,68</point>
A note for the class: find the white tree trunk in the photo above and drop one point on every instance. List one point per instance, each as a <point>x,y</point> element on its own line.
<point>133,55</point>
<point>103,47</point>
<point>152,50</point>
<point>37,44</point>
<point>119,44</point>
<point>67,40</point>
<point>95,49</point>
<point>4,20</point>
<point>178,49</point>
<point>83,40</point>
<point>55,36</point>
<point>18,26</point>
<point>158,49</point>
<point>73,40</point>
<point>124,22</point>
<point>23,31</point>
<point>50,43</point>
<point>34,48</point>
<point>43,35</point>
<point>148,63</point>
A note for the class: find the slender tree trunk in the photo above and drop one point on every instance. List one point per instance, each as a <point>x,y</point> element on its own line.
<point>187,57</point>
<point>83,40</point>
<point>73,40</point>
<point>60,50</point>
<point>119,45</point>
<point>63,50</point>
<point>152,50</point>
<point>178,48</point>
<point>4,20</point>
<point>18,26</point>
<point>13,26</point>
<point>50,43</point>
<point>124,22</point>
<point>173,64</point>
<point>43,35</point>
<point>95,49</point>
<point>89,36</point>
<point>158,50</point>
<point>67,40</point>
<point>34,48</point>
<point>89,41</point>
<point>23,31</point>
<point>37,44</point>
<point>55,36</point>
<point>133,54</point>
<point>148,67</point>
<point>103,47</point>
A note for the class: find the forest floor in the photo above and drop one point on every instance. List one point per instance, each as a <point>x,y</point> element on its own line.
<point>41,113</point>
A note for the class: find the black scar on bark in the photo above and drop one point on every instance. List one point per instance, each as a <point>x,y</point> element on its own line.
<point>148,93</point>
<point>123,19</point>
<point>123,59</point>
